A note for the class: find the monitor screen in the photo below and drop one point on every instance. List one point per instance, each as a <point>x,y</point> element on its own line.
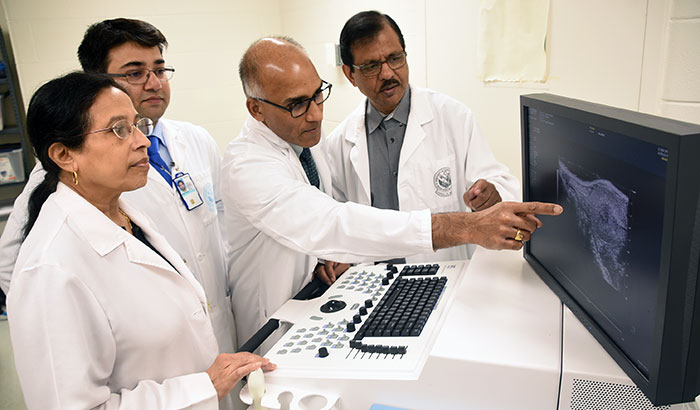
<point>607,256</point>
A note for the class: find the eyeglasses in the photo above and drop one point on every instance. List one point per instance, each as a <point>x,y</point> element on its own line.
<point>141,75</point>
<point>394,61</point>
<point>122,129</point>
<point>300,108</point>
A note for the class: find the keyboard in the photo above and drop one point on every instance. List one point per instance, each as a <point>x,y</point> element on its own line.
<point>374,322</point>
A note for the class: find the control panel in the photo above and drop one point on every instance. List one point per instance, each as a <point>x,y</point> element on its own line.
<point>374,322</point>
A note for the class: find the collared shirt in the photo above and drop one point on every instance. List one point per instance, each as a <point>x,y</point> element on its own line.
<point>385,136</point>
<point>297,150</point>
<point>162,148</point>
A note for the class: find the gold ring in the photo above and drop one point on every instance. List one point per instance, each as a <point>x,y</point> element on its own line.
<point>519,236</point>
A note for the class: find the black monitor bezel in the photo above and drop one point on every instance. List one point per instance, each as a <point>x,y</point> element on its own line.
<point>670,380</point>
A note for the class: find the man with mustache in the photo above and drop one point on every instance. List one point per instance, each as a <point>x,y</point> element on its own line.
<point>404,147</point>
<point>131,51</point>
<point>275,181</point>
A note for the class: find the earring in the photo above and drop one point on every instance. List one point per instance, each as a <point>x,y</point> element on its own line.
<point>75,177</point>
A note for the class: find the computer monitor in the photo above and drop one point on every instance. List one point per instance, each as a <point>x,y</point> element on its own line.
<point>624,254</point>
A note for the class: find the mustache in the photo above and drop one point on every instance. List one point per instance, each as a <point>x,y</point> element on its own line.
<point>392,82</point>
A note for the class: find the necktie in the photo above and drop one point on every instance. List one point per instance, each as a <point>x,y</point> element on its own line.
<point>307,162</point>
<point>157,161</point>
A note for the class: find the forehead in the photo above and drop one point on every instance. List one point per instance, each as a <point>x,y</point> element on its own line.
<point>111,102</point>
<point>385,42</point>
<point>294,80</point>
<point>132,55</point>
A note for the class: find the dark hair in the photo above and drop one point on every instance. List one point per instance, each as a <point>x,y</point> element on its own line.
<point>100,38</point>
<point>59,111</point>
<point>362,27</point>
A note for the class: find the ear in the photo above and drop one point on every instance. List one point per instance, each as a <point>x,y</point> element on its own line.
<point>349,74</point>
<point>63,157</point>
<point>255,109</point>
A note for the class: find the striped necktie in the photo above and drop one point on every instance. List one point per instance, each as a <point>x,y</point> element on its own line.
<point>307,162</point>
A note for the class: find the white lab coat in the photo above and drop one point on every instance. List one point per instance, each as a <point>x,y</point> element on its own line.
<point>442,155</point>
<point>99,320</point>
<point>275,218</point>
<point>195,235</point>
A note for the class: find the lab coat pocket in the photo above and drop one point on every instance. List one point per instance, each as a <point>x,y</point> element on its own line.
<point>436,182</point>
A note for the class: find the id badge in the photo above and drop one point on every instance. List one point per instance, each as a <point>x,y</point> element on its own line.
<point>187,190</point>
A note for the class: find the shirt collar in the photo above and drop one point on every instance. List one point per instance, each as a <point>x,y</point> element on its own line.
<point>297,149</point>
<point>158,133</point>
<point>400,113</point>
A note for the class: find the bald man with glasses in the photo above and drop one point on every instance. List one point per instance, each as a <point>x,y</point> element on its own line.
<point>275,184</point>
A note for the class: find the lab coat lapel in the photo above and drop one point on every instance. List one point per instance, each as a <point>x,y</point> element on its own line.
<point>104,236</point>
<point>359,158</point>
<point>261,131</point>
<point>324,171</point>
<point>176,145</point>
<point>142,255</point>
<point>100,232</point>
<point>421,113</point>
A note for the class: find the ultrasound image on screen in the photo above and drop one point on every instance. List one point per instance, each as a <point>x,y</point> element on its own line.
<point>602,215</point>
<point>605,249</point>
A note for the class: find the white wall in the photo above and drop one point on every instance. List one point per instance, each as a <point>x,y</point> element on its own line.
<point>595,51</point>
<point>317,23</point>
<point>206,37</point>
<point>635,54</point>
<point>680,81</point>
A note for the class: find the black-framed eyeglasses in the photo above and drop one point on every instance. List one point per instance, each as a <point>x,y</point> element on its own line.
<point>123,129</point>
<point>300,108</point>
<point>141,75</point>
<point>371,69</point>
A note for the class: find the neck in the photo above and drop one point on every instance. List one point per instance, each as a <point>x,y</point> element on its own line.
<point>107,202</point>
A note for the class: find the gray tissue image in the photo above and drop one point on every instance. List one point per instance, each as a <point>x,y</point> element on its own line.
<point>602,215</point>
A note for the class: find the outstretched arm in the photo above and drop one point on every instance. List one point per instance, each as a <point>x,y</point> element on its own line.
<point>492,228</point>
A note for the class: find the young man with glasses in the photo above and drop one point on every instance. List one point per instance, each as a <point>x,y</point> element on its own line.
<point>131,51</point>
<point>404,147</point>
<point>275,181</point>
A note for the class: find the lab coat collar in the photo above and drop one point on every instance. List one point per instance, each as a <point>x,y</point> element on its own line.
<point>103,235</point>
<point>176,145</point>
<point>260,133</point>
<point>421,113</point>
<point>257,128</point>
<point>100,232</point>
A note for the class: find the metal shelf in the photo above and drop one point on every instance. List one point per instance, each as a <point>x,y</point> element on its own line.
<point>13,135</point>
<point>11,131</point>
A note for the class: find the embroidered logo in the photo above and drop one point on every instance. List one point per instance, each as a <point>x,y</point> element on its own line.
<point>443,182</point>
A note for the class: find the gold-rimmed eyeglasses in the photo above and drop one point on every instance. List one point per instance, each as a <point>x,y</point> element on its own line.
<point>373,68</point>
<point>123,129</point>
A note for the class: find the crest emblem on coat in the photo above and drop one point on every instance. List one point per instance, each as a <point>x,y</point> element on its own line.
<point>443,182</point>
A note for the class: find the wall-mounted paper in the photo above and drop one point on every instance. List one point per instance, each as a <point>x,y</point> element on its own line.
<point>512,38</point>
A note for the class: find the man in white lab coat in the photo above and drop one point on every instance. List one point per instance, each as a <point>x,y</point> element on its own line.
<point>275,181</point>
<point>131,51</point>
<point>405,147</point>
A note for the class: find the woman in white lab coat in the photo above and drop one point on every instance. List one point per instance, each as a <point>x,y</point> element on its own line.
<point>103,312</point>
